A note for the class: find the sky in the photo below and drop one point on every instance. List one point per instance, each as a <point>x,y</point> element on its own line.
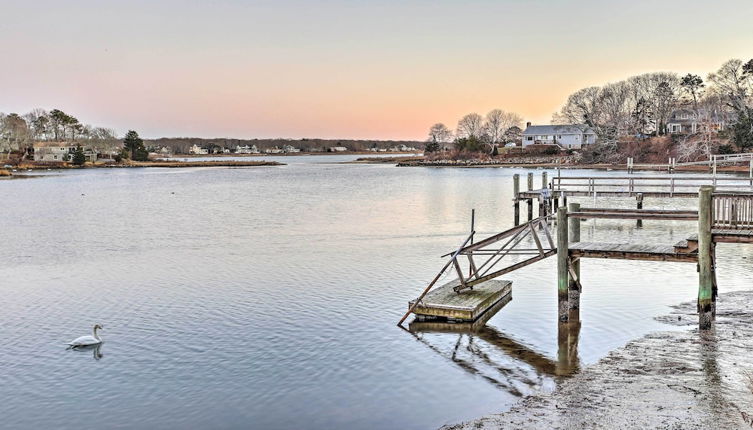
<point>342,69</point>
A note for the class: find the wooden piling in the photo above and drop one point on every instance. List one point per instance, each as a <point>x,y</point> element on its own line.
<point>555,199</point>
<point>705,259</point>
<point>562,259</point>
<point>543,202</point>
<point>530,201</point>
<point>516,199</point>
<point>573,290</point>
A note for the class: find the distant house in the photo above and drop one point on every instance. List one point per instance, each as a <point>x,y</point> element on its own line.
<point>288,149</point>
<point>337,149</point>
<point>274,150</point>
<point>245,149</point>
<point>567,136</point>
<point>687,121</point>
<point>165,151</point>
<point>61,151</point>
<point>53,151</point>
<point>198,150</point>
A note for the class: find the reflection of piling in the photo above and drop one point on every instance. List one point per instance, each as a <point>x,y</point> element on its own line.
<point>573,290</point>
<point>530,201</point>
<point>706,296</point>
<point>567,345</point>
<point>639,205</point>
<point>516,198</point>
<point>562,258</point>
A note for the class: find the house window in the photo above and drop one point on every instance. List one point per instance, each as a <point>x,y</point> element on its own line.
<point>559,136</point>
<point>529,137</point>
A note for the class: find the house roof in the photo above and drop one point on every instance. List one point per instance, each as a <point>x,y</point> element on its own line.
<point>52,144</point>
<point>557,129</point>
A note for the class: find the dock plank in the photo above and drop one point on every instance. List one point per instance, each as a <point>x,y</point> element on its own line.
<point>630,251</point>
<point>468,305</point>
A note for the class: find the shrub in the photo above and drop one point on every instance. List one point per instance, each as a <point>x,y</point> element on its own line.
<point>726,149</point>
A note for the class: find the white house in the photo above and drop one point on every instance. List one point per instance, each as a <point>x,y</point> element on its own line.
<point>687,121</point>
<point>337,149</point>
<point>61,151</point>
<point>566,136</point>
<point>290,149</point>
<point>198,150</point>
<point>245,149</point>
<point>53,151</point>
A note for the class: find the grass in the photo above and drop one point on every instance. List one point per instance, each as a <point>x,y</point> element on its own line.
<point>4,172</point>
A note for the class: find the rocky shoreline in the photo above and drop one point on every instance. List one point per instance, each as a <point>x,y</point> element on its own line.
<point>666,380</point>
<point>504,162</point>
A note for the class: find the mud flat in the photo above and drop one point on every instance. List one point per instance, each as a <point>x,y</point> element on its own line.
<point>666,380</point>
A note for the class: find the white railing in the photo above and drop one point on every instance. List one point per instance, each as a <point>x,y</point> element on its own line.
<point>732,210</point>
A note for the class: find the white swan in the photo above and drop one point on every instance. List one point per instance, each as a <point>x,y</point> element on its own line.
<point>87,340</point>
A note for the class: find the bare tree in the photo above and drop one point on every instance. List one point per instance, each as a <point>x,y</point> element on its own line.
<point>439,133</point>
<point>471,125</point>
<point>734,82</point>
<point>498,122</point>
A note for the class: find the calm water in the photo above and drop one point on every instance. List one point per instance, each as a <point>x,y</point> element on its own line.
<point>268,297</point>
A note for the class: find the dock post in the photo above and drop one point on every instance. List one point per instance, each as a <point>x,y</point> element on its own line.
<point>530,200</point>
<point>639,205</point>
<point>516,198</point>
<point>573,291</point>
<point>705,261</point>
<point>562,256</point>
<point>543,205</point>
<point>555,199</point>
<point>750,173</point>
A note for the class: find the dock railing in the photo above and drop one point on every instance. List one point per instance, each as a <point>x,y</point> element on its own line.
<point>732,210</point>
<point>632,185</point>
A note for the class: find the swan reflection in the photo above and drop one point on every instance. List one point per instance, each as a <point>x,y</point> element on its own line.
<point>96,350</point>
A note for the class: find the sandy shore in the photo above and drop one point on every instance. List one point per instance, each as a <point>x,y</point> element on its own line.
<point>665,380</point>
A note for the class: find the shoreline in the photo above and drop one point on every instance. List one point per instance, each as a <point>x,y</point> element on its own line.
<point>667,379</point>
<point>538,163</point>
<point>293,154</point>
<point>146,164</point>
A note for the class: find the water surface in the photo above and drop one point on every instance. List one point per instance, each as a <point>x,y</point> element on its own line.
<point>267,297</point>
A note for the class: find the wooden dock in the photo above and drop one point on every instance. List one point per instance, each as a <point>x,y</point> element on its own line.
<point>467,306</point>
<point>722,217</point>
<point>631,251</point>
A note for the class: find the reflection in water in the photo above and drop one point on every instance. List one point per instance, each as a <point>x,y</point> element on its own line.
<point>95,349</point>
<point>508,364</point>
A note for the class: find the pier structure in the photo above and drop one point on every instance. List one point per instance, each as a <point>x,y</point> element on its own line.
<point>723,215</point>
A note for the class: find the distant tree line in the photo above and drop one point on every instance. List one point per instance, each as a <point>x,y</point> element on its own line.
<point>181,145</point>
<point>475,133</point>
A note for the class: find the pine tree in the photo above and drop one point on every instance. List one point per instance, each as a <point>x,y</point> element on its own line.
<point>78,156</point>
<point>134,145</point>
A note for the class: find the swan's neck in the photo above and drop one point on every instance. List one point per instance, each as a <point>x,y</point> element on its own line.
<point>96,336</point>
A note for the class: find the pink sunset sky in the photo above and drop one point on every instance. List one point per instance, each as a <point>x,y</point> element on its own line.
<point>343,69</point>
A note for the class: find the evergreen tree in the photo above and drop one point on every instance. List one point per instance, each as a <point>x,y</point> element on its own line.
<point>78,156</point>
<point>431,147</point>
<point>135,146</point>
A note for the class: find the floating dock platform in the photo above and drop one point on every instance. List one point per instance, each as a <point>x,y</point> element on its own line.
<point>469,305</point>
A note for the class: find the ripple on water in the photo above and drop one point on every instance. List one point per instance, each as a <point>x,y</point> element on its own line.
<point>252,293</point>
